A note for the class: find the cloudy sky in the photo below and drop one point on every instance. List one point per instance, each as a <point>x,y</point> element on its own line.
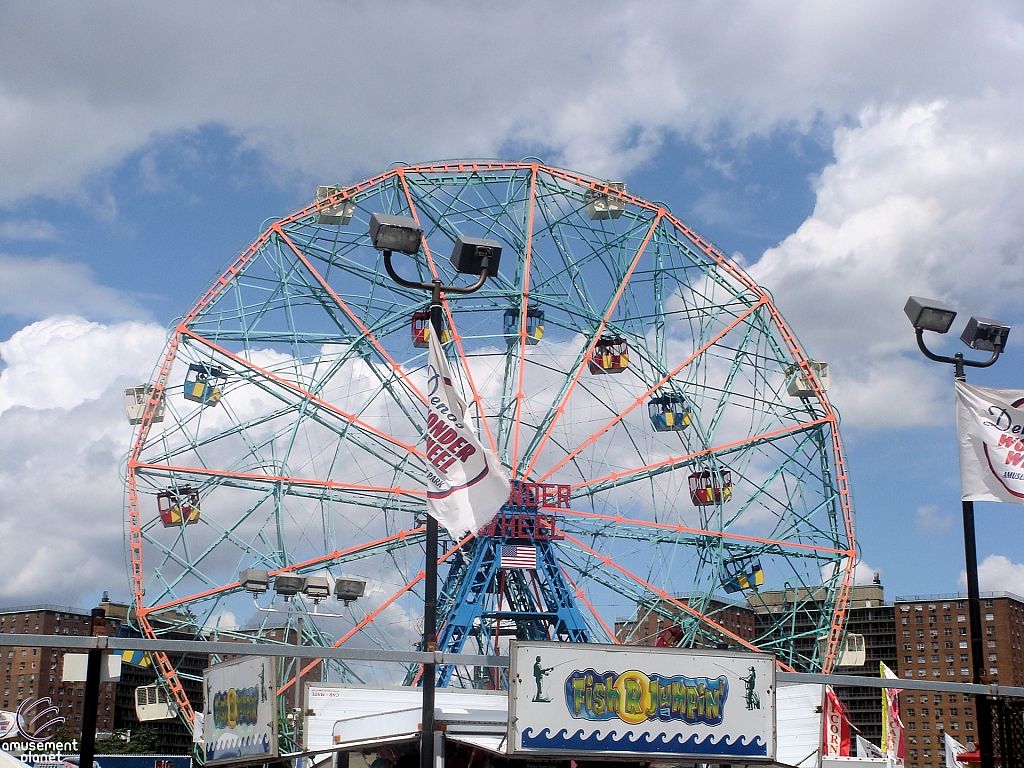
<point>848,154</point>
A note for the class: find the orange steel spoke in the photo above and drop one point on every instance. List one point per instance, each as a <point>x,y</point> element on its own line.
<point>621,520</point>
<point>345,308</point>
<point>477,397</point>
<point>560,408</point>
<point>582,596</point>
<point>522,324</point>
<point>349,417</point>
<point>674,460</point>
<point>375,613</point>
<point>400,536</point>
<point>639,401</point>
<point>285,479</point>
<point>608,562</point>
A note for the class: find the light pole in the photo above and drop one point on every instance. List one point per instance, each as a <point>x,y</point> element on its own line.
<point>472,256</point>
<point>990,336</point>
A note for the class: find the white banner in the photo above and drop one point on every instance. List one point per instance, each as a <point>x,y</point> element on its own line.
<point>656,703</point>
<point>240,716</point>
<point>990,430</point>
<point>466,485</point>
<point>953,751</point>
<point>866,749</point>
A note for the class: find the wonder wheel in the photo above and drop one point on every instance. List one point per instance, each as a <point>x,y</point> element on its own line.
<point>677,470</point>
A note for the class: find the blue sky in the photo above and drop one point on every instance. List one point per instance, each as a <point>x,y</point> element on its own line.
<point>848,158</point>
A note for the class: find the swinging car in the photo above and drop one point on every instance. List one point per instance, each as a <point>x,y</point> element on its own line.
<point>135,399</point>
<point>852,652</point>
<point>204,383</point>
<point>669,413</point>
<point>742,573</point>
<point>610,355</point>
<point>600,205</point>
<point>339,213</point>
<point>421,330</point>
<point>534,325</point>
<point>797,384</point>
<point>709,487</point>
<point>153,703</point>
<point>178,506</point>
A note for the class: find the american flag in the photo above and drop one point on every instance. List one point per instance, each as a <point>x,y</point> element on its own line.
<point>514,556</point>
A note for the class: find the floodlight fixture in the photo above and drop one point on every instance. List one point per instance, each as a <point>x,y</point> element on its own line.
<point>984,334</point>
<point>395,233</point>
<point>317,588</point>
<point>929,314</point>
<point>254,580</point>
<point>348,590</point>
<point>470,252</point>
<point>288,584</point>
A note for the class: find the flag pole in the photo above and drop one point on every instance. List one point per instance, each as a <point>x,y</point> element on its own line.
<point>429,675</point>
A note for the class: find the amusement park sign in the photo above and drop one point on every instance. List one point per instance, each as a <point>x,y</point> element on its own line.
<point>240,718</point>
<point>990,429</point>
<point>641,702</point>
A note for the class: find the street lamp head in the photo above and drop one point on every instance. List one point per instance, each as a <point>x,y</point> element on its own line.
<point>984,334</point>
<point>469,252</point>
<point>288,584</point>
<point>254,580</point>
<point>349,589</point>
<point>395,233</point>
<point>929,314</point>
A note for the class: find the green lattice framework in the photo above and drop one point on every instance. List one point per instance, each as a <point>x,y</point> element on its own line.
<point>312,461</point>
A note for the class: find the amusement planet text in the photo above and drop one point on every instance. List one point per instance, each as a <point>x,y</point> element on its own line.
<point>635,697</point>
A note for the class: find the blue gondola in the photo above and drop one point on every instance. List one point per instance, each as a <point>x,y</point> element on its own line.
<point>742,573</point>
<point>669,413</point>
<point>204,383</point>
<point>534,325</point>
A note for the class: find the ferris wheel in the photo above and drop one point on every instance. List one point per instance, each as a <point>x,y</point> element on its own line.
<point>675,462</point>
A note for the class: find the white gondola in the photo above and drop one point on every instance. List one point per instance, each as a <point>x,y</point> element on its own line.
<point>339,213</point>
<point>601,205</point>
<point>797,384</point>
<point>852,653</point>
<point>153,703</point>
<point>135,399</point>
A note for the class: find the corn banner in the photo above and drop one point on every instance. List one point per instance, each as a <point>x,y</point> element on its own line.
<point>990,431</point>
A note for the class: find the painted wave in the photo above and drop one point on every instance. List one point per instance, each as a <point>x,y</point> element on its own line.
<point>643,743</point>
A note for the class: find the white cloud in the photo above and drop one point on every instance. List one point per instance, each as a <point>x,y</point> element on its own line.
<point>927,518</point>
<point>597,86</point>
<point>997,573</point>
<point>63,434</point>
<point>926,201</point>
<point>35,288</point>
<point>30,229</point>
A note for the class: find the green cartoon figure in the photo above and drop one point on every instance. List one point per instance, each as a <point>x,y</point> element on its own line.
<point>753,700</point>
<point>538,675</point>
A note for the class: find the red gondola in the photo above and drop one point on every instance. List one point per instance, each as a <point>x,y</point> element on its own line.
<point>707,487</point>
<point>178,506</point>
<point>421,330</point>
<point>610,355</point>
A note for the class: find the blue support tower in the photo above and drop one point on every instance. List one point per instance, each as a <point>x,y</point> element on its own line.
<point>484,599</point>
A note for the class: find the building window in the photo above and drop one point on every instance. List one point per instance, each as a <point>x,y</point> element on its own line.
<point>925,725</point>
<point>921,672</point>
<point>920,633</point>
<point>911,712</point>
<point>907,659</point>
<point>906,633</point>
<point>963,643</point>
<point>963,630</point>
<point>990,617</point>
<point>961,619</point>
<point>947,632</point>
<point>990,631</point>
<point>993,670</point>
<point>919,619</point>
<point>950,672</point>
<point>988,603</point>
<point>911,726</point>
<point>968,726</point>
<point>964,672</point>
<point>991,657</point>
<point>991,643</point>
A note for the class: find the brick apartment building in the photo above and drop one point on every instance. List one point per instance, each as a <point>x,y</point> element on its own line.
<point>31,673</point>
<point>934,637</point>
<point>644,627</point>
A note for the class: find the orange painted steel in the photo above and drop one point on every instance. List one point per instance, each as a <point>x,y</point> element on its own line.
<point>522,326</point>
<point>675,460</point>
<point>661,593</point>
<point>457,338</point>
<point>349,417</point>
<point>375,613</point>
<point>661,214</point>
<point>560,408</point>
<point>292,481</point>
<point>345,308</point>
<point>297,567</point>
<point>642,398</point>
<point>621,520</point>
<point>578,591</point>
